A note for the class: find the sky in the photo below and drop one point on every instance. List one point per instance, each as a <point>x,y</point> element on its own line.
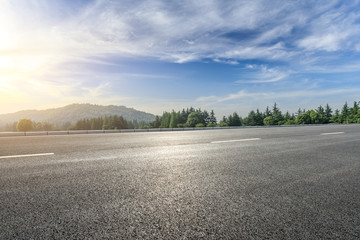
<point>155,56</point>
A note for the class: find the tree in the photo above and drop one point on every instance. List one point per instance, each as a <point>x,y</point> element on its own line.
<point>304,118</point>
<point>96,123</point>
<point>206,115</point>
<point>336,117</point>
<point>354,113</point>
<point>211,119</point>
<point>287,116</point>
<point>46,126</point>
<point>25,125</point>
<point>119,122</point>
<point>321,111</point>
<point>289,119</point>
<point>267,112</point>
<point>234,120</point>
<point>156,123</point>
<point>299,112</point>
<point>106,123</point>
<point>183,117</point>
<point>316,117</point>
<point>223,122</point>
<point>174,119</point>
<point>195,118</point>
<point>344,116</point>
<point>277,115</point>
<point>259,118</point>
<point>251,119</point>
<point>165,120</point>
<point>327,114</point>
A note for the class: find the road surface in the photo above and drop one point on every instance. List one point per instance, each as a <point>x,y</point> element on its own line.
<point>258,183</point>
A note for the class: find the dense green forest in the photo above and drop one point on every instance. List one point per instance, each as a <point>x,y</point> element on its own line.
<point>192,117</point>
<point>274,116</point>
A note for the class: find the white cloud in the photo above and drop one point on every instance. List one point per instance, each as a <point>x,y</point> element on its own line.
<point>262,74</point>
<point>273,96</point>
<point>226,61</point>
<point>336,29</point>
<point>180,32</point>
<point>328,42</point>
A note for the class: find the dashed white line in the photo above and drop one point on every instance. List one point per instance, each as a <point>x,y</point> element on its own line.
<point>27,155</point>
<point>237,140</point>
<point>332,133</point>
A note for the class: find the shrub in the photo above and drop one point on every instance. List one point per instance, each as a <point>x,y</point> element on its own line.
<point>223,124</point>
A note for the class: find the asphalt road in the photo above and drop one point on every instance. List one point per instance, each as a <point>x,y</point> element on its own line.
<point>261,183</point>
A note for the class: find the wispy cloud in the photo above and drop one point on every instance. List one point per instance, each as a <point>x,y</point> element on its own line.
<point>273,96</point>
<point>261,74</point>
<point>191,31</point>
<point>226,61</point>
<point>336,29</point>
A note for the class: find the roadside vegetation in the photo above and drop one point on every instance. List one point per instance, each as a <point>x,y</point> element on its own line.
<point>192,117</point>
<point>274,116</point>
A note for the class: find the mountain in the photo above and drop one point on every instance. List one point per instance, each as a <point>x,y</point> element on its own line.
<point>74,112</point>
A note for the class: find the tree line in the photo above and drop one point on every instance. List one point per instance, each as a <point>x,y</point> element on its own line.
<point>106,123</point>
<point>192,117</point>
<point>189,117</point>
<point>196,118</point>
<point>37,126</point>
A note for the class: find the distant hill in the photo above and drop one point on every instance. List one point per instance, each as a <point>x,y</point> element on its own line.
<point>74,112</point>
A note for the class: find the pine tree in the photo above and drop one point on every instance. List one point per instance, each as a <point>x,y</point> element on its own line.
<point>173,119</point>
<point>251,120</point>
<point>259,118</point>
<point>336,117</point>
<point>353,113</point>
<point>344,117</point>
<point>234,120</point>
<point>327,114</point>
<point>277,116</point>
<point>211,119</point>
<point>321,112</point>
<point>267,112</point>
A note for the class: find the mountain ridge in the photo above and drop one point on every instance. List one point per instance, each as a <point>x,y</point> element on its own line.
<point>76,111</point>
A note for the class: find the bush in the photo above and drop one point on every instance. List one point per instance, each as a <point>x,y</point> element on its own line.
<point>211,125</point>
<point>269,121</point>
<point>200,125</point>
<point>290,122</point>
<point>223,124</point>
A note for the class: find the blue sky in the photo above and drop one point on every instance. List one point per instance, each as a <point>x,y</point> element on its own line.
<point>157,56</point>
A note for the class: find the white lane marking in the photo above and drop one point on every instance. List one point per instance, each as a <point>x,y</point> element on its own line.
<point>238,140</point>
<point>332,133</point>
<point>27,155</point>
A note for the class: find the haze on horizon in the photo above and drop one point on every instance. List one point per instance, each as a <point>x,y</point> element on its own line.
<point>157,55</point>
